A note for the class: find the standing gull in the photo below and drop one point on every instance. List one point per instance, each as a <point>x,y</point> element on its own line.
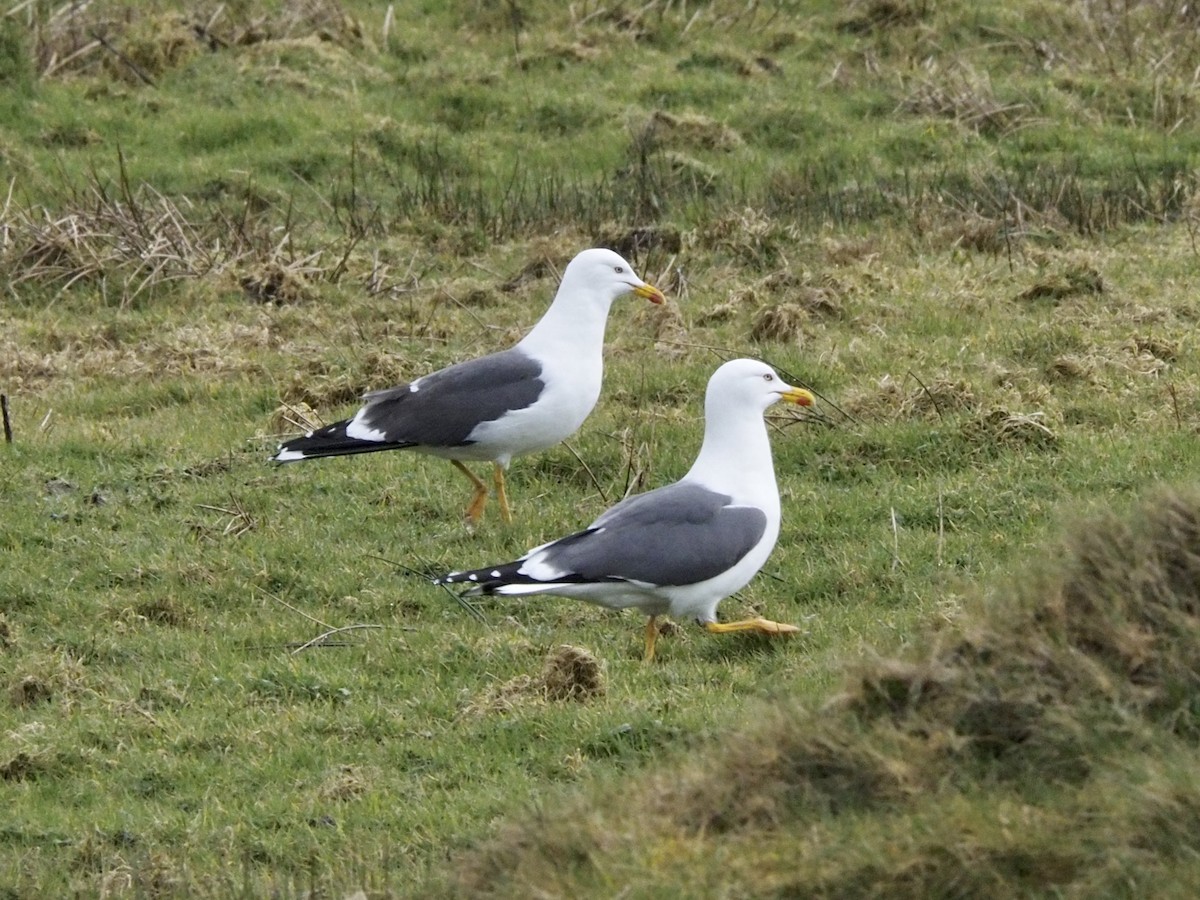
<point>679,549</point>
<point>519,400</point>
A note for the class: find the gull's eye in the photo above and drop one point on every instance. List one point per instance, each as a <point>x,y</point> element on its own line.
<point>767,376</point>
<point>620,270</point>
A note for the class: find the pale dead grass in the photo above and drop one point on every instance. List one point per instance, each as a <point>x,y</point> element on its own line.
<point>214,348</point>
<point>962,94</point>
<point>912,398</point>
<point>138,42</point>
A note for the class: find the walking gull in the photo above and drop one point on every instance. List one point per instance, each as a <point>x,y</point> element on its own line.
<point>679,549</point>
<point>526,398</point>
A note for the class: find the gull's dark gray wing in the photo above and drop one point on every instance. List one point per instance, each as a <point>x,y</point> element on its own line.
<point>676,535</point>
<point>442,409</point>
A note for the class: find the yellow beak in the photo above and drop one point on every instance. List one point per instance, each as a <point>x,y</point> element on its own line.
<point>650,292</point>
<point>799,396</point>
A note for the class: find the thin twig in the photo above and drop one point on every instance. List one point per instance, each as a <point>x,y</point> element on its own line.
<point>321,637</point>
<point>586,468</point>
<point>133,67</point>
<point>895,542</point>
<point>8,438</point>
<point>283,602</point>
<point>471,609</point>
<point>941,530</point>
<point>937,409</point>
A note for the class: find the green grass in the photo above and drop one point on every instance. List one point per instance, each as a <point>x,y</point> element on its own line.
<point>990,275</point>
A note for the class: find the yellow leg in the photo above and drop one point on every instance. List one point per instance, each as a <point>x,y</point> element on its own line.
<point>763,626</point>
<point>479,498</point>
<point>501,496</point>
<point>651,637</point>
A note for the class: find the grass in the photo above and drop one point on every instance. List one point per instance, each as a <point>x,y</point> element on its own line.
<point>972,231</point>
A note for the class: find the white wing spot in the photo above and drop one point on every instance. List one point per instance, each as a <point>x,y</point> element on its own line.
<point>495,573</point>
<point>473,577</point>
<point>360,430</point>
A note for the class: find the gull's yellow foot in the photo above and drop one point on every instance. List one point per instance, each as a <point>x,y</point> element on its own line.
<point>501,495</point>
<point>651,637</point>
<point>478,499</point>
<point>763,626</point>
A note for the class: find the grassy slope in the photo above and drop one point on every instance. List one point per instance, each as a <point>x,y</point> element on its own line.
<point>156,729</point>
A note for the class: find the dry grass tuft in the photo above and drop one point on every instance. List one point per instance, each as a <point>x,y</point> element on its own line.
<point>1112,628</point>
<point>346,782</point>
<point>777,771</point>
<point>164,610</point>
<point>982,234</point>
<point>1004,427</point>
<point>296,416</point>
<point>632,242</point>
<point>1167,351</point>
<point>30,690</point>
<point>1073,282</point>
<point>569,673</point>
<point>274,281</point>
<point>572,673</point>
<point>22,766</point>
<point>692,131</point>
<point>126,243</point>
<point>912,399</point>
<point>752,237</point>
<point>8,635</point>
<point>126,41</point>
<point>1130,599</point>
<point>783,322</point>
<point>868,16</point>
<point>965,96</point>
<point>1072,368</point>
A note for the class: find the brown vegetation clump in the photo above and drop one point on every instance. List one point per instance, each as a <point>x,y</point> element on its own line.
<point>963,95</point>
<point>21,766</point>
<point>569,673</point>
<point>274,282</point>
<point>295,416</point>
<point>692,130</point>
<point>1003,427</point>
<point>1073,282</point>
<point>979,233</point>
<point>910,399</point>
<point>1069,367</point>
<point>781,322</point>
<point>762,783</point>
<point>30,690</point>
<point>346,782</point>
<point>163,610</point>
<point>572,673</point>
<point>632,242</point>
<point>129,42</point>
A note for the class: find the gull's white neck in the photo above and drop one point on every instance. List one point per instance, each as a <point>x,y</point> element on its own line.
<point>573,326</point>
<point>735,457</point>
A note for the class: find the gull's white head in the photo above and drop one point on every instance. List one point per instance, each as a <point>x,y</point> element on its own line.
<point>748,383</point>
<point>605,274</point>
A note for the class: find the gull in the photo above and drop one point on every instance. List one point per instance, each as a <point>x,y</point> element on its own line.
<point>496,407</point>
<point>677,550</point>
